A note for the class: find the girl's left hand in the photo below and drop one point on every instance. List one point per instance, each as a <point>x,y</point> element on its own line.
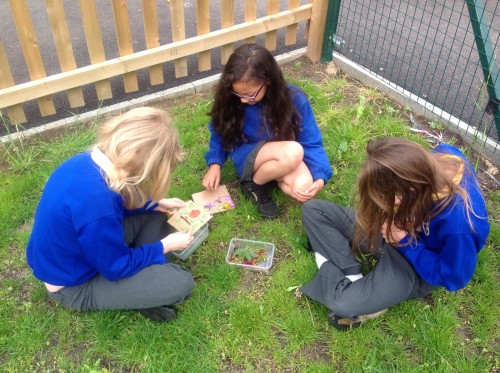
<point>170,205</point>
<point>309,193</point>
<point>395,234</point>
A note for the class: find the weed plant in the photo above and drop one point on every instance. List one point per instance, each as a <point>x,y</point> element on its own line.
<point>237,320</point>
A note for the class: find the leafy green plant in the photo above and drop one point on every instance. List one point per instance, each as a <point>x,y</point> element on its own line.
<point>245,254</point>
<point>435,125</point>
<point>248,254</point>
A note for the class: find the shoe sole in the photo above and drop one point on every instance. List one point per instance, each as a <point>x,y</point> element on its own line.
<point>268,217</point>
<point>347,324</point>
<point>159,314</point>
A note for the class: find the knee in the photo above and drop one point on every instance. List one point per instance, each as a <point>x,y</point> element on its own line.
<point>186,284</point>
<point>311,207</point>
<point>292,154</point>
<point>182,284</point>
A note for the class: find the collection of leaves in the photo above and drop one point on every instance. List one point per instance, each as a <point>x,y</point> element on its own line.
<point>248,255</point>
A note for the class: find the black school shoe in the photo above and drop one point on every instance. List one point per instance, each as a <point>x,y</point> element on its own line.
<point>345,323</point>
<point>159,314</point>
<point>259,196</point>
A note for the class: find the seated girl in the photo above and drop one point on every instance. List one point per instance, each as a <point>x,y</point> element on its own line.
<point>420,213</point>
<point>100,239</point>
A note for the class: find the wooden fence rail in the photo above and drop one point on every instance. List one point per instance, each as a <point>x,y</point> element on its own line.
<point>100,70</point>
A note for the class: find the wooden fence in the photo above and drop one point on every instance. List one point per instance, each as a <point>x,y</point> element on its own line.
<point>71,78</point>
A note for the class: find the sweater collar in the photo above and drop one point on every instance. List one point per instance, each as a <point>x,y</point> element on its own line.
<point>102,161</point>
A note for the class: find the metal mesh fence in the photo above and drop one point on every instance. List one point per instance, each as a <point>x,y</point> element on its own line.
<point>427,50</point>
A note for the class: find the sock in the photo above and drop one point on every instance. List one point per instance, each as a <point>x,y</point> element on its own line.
<point>354,277</point>
<point>320,259</point>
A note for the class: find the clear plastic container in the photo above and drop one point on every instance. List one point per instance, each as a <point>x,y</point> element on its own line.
<point>199,236</point>
<point>262,264</point>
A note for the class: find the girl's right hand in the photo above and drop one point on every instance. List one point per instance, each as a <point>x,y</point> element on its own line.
<point>177,241</point>
<point>212,178</point>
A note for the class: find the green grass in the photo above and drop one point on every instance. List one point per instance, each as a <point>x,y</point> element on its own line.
<point>237,320</point>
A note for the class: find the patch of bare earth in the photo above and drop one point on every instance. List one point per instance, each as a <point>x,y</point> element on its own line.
<point>317,352</point>
<point>303,69</point>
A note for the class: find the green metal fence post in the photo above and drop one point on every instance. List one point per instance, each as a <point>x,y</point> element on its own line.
<point>332,20</point>
<point>487,58</point>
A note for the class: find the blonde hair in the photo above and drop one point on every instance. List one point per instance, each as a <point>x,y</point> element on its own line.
<point>143,148</point>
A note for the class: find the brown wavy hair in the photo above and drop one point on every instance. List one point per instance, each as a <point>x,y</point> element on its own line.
<point>143,148</point>
<point>399,167</point>
<point>252,62</point>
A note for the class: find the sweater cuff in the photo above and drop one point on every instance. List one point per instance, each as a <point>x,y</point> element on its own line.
<point>404,247</point>
<point>159,257</point>
<point>321,176</point>
<point>218,157</point>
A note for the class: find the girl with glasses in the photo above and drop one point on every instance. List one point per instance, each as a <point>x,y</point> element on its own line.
<point>268,129</point>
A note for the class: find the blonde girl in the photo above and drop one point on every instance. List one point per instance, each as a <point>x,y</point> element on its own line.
<point>100,239</point>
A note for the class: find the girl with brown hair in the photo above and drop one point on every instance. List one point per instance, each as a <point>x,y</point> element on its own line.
<point>420,213</point>
<point>267,128</point>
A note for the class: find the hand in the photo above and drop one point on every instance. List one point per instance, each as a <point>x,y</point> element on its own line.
<point>177,241</point>
<point>310,192</point>
<point>212,178</point>
<point>395,234</point>
<point>170,205</point>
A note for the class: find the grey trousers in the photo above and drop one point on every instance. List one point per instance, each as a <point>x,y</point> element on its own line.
<point>330,230</point>
<point>153,286</point>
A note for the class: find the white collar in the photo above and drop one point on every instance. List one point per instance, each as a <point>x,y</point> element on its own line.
<point>102,161</point>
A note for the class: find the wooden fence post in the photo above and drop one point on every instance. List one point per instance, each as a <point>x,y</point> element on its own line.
<point>124,39</point>
<point>31,51</point>
<point>178,34</point>
<point>64,49</point>
<point>227,20</point>
<point>203,27</point>
<point>152,34</point>
<point>16,112</point>
<point>250,15</point>
<point>291,31</point>
<point>95,45</point>
<point>317,29</point>
<point>273,7</point>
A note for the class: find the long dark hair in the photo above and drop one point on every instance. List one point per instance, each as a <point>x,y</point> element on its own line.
<point>396,166</point>
<point>252,62</point>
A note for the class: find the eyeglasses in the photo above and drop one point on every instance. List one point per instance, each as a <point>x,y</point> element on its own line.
<point>251,98</point>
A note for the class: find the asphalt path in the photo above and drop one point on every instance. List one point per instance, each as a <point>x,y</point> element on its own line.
<point>8,35</point>
<point>435,59</point>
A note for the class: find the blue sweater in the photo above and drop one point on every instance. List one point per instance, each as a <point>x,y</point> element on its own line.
<point>309,136</point>
<point>78,229</point>
<point>447,256</point>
